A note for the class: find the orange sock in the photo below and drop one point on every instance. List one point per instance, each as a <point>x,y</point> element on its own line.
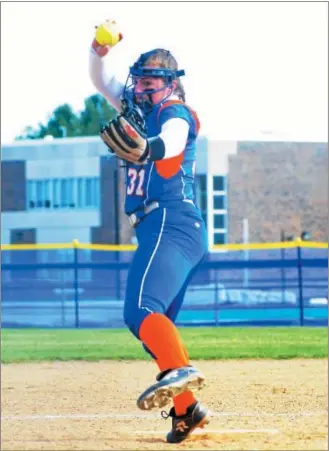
<point>162,338</point>
<point>183,401</point>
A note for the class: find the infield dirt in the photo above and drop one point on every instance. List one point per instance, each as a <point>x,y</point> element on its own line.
<point>256,405</point>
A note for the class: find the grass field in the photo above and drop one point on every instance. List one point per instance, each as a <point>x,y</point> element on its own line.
<point>23,345</point>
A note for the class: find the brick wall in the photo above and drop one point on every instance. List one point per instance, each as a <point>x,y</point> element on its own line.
<point>13,195</point>
<point>126,231</point>
<point>278,186</point>
<point>112,186</point>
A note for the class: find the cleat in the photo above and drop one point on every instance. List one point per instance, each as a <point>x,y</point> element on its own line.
<point>196,416</point>
<point>170,383</point>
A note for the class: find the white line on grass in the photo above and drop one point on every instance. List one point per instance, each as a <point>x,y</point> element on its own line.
<point>131,415</point>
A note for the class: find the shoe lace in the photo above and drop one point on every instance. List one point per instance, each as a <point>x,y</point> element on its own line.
<point>165,414</point>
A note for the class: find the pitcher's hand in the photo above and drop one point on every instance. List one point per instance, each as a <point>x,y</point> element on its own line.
<point>107,36</point>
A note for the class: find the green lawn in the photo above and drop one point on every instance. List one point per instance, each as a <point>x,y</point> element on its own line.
<point>19,345</point>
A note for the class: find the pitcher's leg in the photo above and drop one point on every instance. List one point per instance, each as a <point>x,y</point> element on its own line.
<point>162,338</point>
<point>183,401</point>
<point>159,270</point>
<point>156,275</point>
<point>148,297</point>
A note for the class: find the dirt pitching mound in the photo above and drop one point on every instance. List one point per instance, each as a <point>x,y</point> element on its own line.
<point>255,404</point>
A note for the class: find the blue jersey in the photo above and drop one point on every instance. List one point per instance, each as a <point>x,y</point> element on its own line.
<point>166,180</point>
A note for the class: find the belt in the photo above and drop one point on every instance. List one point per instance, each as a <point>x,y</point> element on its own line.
<point>135,218</point>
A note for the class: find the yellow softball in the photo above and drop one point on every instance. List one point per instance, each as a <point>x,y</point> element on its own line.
<point>107,33</point>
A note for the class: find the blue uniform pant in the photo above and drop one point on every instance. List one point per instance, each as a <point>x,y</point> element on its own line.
<point>171,244</point>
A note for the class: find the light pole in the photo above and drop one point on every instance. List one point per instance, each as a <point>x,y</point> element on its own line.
<point>246,252</point>
<point>283,275</point>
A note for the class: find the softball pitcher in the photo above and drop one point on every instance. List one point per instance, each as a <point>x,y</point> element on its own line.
<point>160,204</point>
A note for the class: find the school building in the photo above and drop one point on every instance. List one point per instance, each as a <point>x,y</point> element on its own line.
<point>55,191</point>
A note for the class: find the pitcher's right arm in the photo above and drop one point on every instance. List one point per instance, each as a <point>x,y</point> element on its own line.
<point>106,84</point>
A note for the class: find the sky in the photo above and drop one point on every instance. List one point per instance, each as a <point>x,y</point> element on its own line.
<point>251,68</point>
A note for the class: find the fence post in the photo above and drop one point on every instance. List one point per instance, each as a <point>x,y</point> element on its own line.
<point>76,282</point>
<point>300,282</point>
<point>216,299</point>
<point>283,269</point>
<point>118,275</point>
<point>117,232</point>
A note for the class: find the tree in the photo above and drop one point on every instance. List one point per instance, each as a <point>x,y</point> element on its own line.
<point>65,122</point>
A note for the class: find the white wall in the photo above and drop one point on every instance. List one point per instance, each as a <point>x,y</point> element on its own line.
<point>201,155</point>
<point>218,152</point>
<point>63,235</point>
<point>50,219</point>
<point>66,148</point>
<point>5,235</point>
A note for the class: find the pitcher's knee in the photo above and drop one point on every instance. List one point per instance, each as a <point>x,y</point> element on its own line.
<point>134,318</point>
<point>134,315</point>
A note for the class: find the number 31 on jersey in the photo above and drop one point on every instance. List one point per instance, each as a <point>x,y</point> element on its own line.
<point>136,181</point>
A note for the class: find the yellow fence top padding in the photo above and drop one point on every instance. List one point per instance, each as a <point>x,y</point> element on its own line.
<point>131,247</point>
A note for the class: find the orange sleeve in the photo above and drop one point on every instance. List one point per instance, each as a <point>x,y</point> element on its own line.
<point>169,167</point>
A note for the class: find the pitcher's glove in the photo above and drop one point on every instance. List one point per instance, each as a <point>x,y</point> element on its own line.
<point>126,139</point>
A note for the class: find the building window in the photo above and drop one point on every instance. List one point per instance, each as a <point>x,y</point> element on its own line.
<point>219,202</point>
<point>201,194</point>
<point>70,189</point>
<point>81,193</point>
<point>56,194</point>
<point>89,193</point>
<point>219,209</point>
<point>39,194</point>
<point>63,193</point>
<point>31,196</point>
<point>219,221</point>
<point>219,238</point>
<point>96,191</point>
<point>47,193</point>
<point>219,183</point>
<point>39,190</point>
